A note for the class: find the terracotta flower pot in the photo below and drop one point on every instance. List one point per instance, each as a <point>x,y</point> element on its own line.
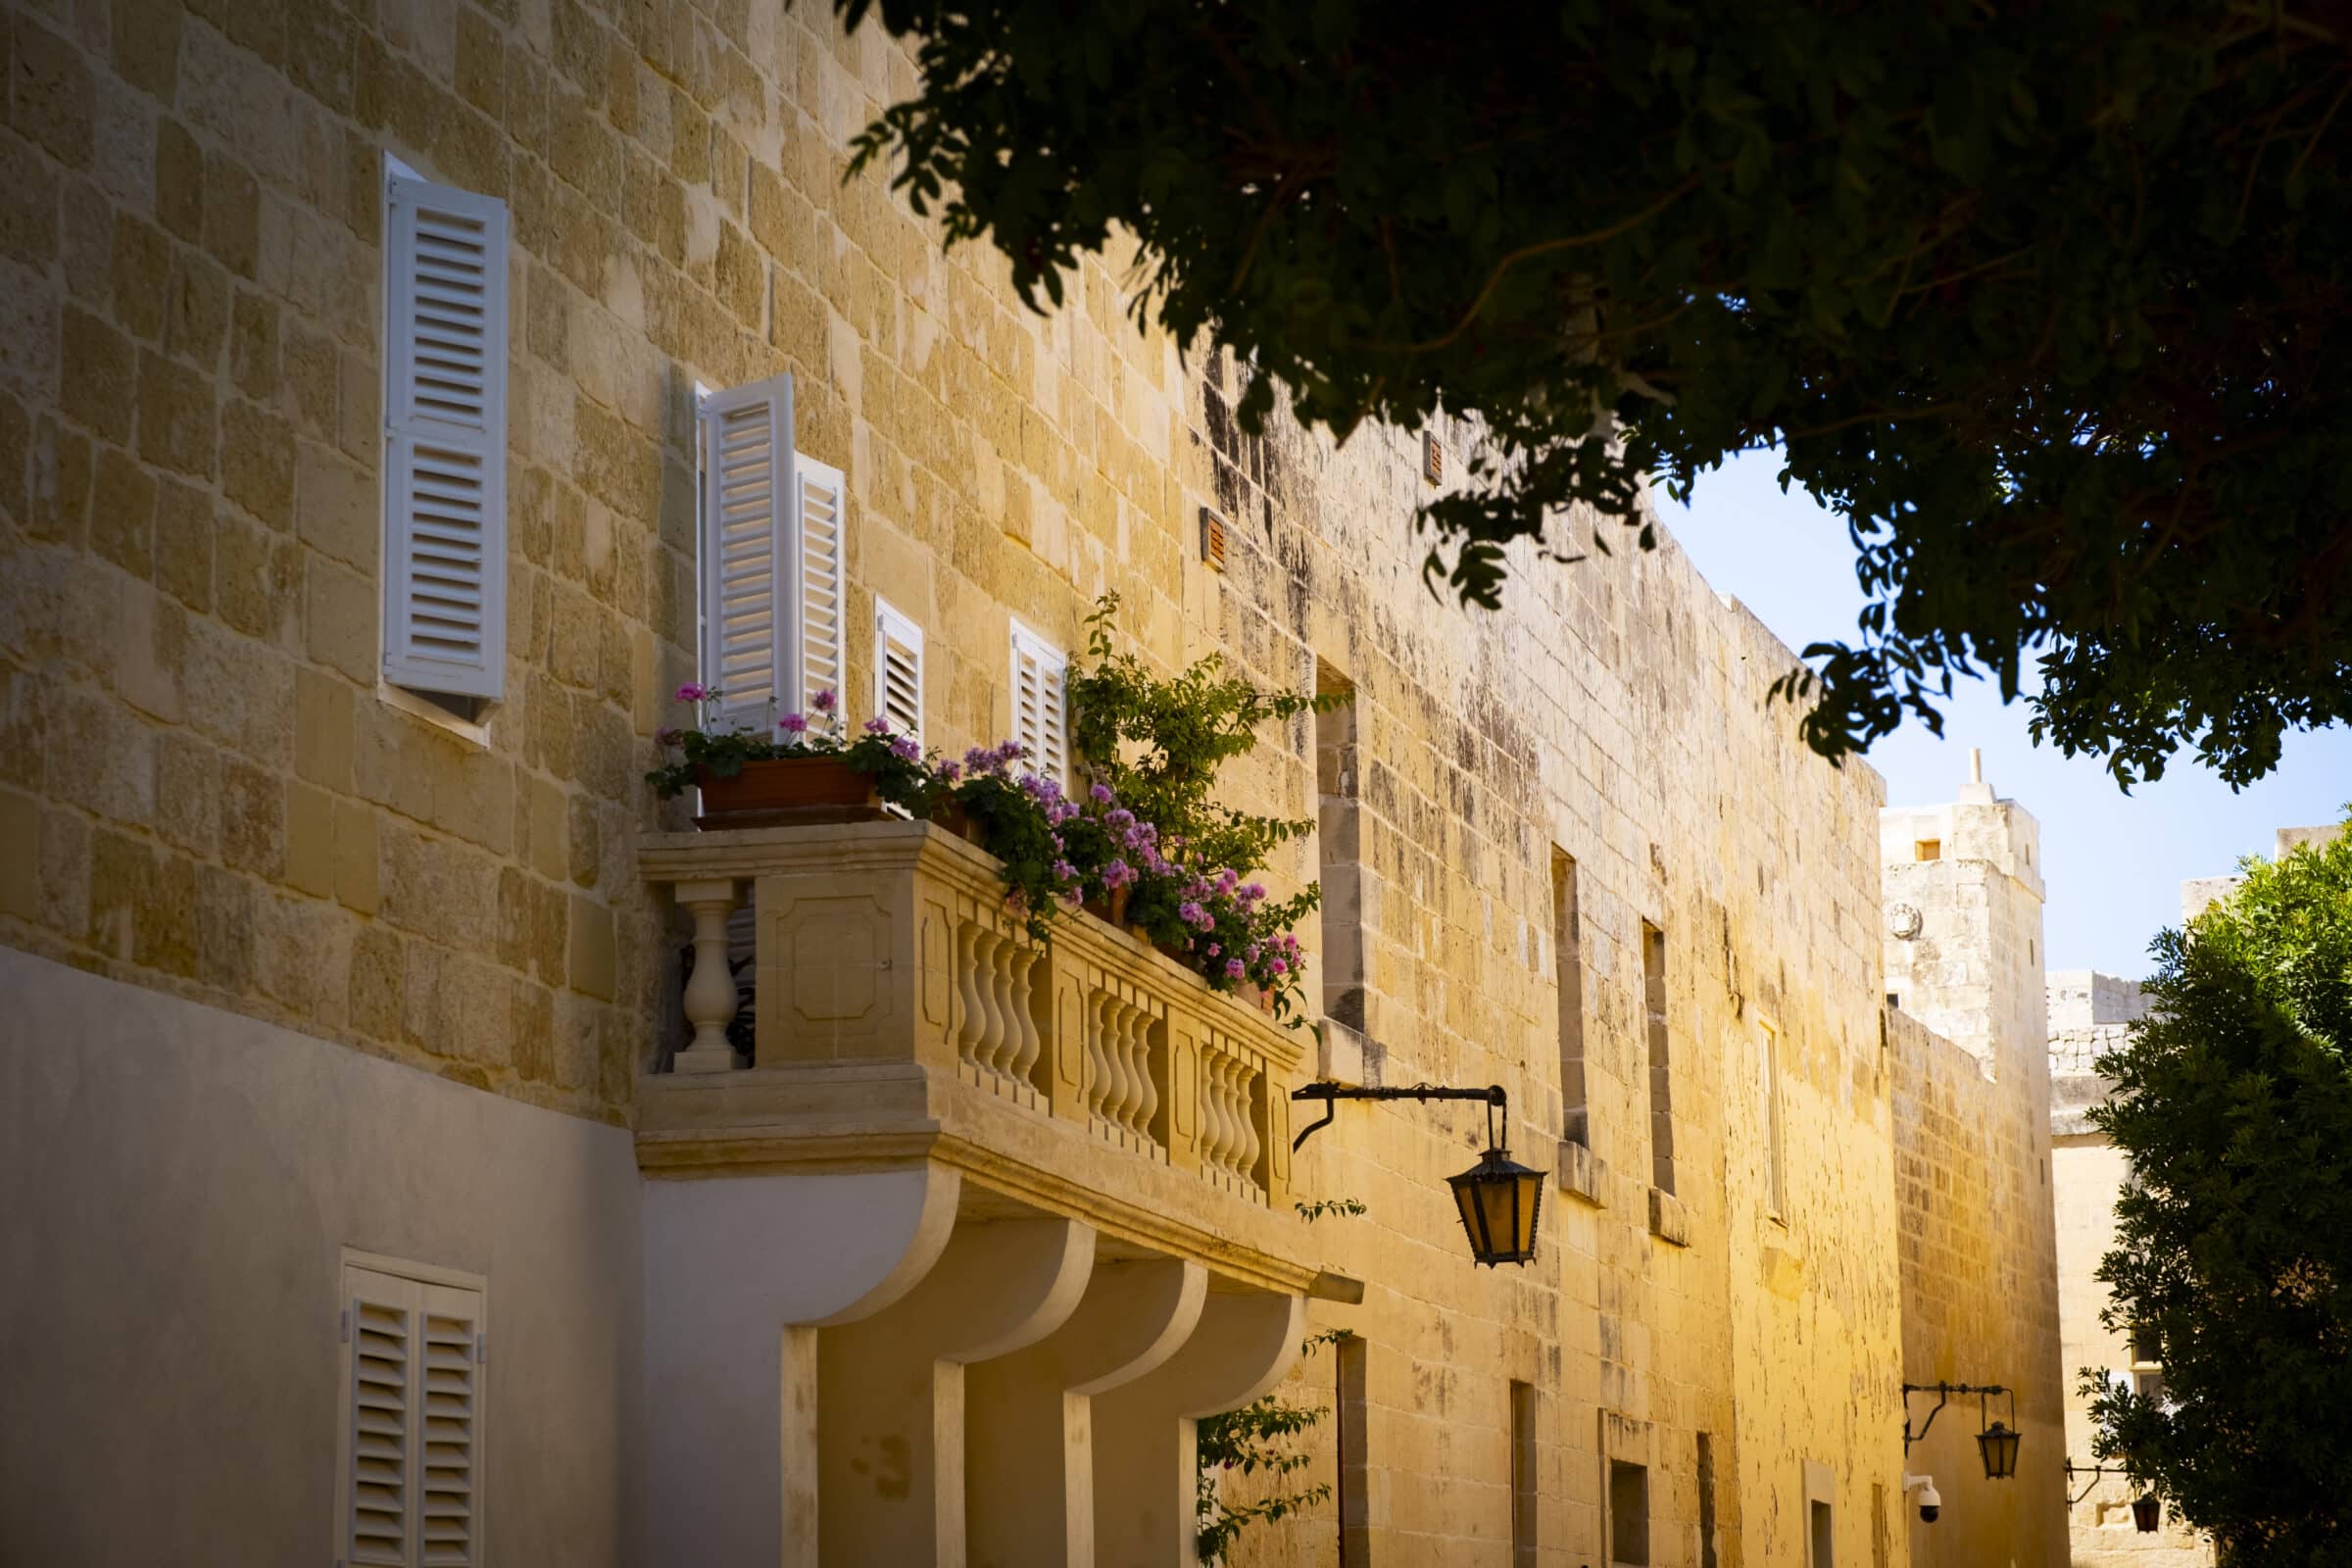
<point>1113,909</point>
<point>783,788</point>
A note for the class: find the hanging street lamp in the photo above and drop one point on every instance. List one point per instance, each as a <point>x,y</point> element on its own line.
<point>1996,1442</point>
<point>1501,1199</point>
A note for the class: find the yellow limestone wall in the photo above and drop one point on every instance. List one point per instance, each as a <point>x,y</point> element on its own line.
<point>202,790</point>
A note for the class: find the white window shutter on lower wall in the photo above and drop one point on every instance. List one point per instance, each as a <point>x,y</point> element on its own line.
<point>749,581</point>
<point>898,671</point>
<point>445,440</point>
<point>412,1455</point>
<point>1041,704</point>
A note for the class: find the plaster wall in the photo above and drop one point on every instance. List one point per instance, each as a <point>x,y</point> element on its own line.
<point>176,1186</point>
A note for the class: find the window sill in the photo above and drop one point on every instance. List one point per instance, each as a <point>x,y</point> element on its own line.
<point>1581,1174</point>
<point>474,733</point>
<point>1669,1221</point>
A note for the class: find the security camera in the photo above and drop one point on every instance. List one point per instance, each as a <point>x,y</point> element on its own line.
<point>1931,1502</point>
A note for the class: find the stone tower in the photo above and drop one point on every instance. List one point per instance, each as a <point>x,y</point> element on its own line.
<point>1964,954</point>
<point>1967,1027</point>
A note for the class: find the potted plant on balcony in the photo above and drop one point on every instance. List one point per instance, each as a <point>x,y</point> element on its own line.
<point>1152,747</point>
<point>800,769</point>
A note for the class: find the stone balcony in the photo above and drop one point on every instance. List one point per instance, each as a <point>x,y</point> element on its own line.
<point>1061,1168</point>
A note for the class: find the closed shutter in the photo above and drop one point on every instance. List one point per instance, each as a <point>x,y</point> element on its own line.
<point>821,531</point>
<point>1039,703</point>
<point>448,1440</point>
<point>445,439</point>
<point>411,1474</point>
<point>382,1420</point>
<point>898,672</point>
<point>748,580</point>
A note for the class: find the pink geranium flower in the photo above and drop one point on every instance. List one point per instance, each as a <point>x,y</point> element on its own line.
<point>792,724</point>
<point>693,693</point>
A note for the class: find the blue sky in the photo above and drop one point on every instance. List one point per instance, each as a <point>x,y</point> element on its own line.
<point>2114,862</point>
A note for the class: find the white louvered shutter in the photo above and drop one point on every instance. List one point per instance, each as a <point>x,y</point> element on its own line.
<point>413,1472</point>
<point>748,581</point>
<point>820,532</point>
<point>898,671</point>
<point>1041,704</point>
<point>449,1434</point>
<point>380,1483</point>
<point>445,439</point>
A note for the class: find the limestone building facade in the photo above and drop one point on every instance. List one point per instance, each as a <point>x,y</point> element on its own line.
<point>363,372</point>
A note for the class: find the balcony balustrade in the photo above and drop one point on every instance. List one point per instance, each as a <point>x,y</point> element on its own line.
<point>887,945</point>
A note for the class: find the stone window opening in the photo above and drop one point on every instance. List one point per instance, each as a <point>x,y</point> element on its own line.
<point>1350,1414</point>
<point>1928,849</point>
<point>1567,942</point>
<point>1661,1082</point>
<point>1629,1514</point>
<point>1525,1536</point>
<point>1776,1145</point>
<point>1821,1534</point>
<point>1706,1501</point>
<point>1339,839</point>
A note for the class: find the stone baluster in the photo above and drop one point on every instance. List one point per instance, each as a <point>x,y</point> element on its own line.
<point>984,987</point>
<point>1097,1088</point>
<point>1006,972</point>
<point>709,997</point>
<point>1236,1123</point>
<point>967,971</point>
<point>1246,1164</point>
<point>1213,1132</point>
<point>1150,1105</point>
<point>1024,991</point>
<point>1122,1057</point>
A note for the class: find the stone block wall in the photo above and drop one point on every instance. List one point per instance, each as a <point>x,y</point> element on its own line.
<point>203,789</point>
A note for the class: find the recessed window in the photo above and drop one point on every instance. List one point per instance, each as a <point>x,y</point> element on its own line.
<point>1776,1149</point>
<point>1567,939</point>
<point>1662,1081</point>
<point>1339,842</point>
<point>1928,849</point>
<point>1629,1514</point>
<point>1524,1534</point>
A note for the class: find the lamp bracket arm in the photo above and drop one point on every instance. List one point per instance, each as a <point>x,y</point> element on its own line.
<point>1330,1094</point>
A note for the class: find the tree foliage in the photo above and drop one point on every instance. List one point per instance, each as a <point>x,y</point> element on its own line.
<point>2047,301</point>
<point>2234,1239</point>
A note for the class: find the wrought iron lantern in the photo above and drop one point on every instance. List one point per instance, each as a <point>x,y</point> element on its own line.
<point>1501,1199</point>
<point>2147,1515</point>
<point>1998,1444</point>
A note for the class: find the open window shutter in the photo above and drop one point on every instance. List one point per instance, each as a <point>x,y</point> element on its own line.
<point>821,520</point>
<point>449,1433</point>
<point>380,1483</point>
<point>898,672</point>
<point>748,580</point>
<point>1039,703</point>
<point>445,439</point>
